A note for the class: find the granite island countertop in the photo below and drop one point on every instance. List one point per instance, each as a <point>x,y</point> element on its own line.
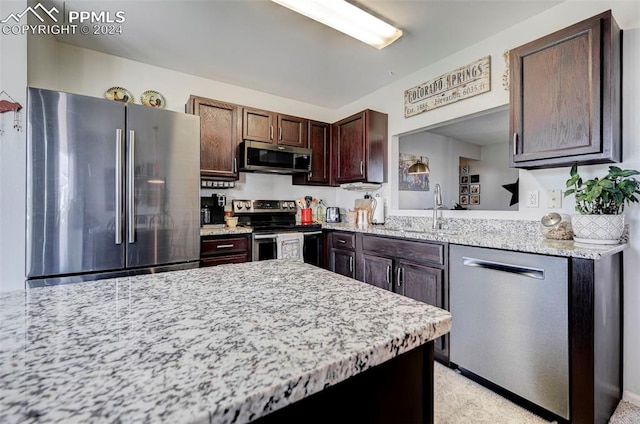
<point>219,344</point>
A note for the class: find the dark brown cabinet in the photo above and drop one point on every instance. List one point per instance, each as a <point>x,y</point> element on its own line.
<point>219,132</point>
<point>224,249</point>
<point>341,247</point>
<point>319,141</point>
<point>565,96</point>
<point>360,148</point>
<point>270,127</point>
<point>411,268</point>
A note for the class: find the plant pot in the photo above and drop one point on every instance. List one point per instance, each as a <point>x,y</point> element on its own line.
<point>597,229</point>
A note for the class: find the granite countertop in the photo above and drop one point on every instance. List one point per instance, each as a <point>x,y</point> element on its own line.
<point>521,236</point>
<point>219,344</point>
<point>211,231</point>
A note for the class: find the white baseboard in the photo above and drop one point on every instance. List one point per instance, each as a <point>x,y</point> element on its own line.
<point>631,397</point>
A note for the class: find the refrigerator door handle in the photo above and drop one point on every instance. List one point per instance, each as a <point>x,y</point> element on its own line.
<point>131,206</point>
<point>119,172</point>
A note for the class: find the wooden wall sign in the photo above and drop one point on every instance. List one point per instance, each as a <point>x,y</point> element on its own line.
<point>462,83</point>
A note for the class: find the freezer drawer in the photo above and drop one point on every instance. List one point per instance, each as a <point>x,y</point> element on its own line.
<point>510,322</point>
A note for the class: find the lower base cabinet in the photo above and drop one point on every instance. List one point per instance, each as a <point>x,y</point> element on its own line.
<point>224,249</point>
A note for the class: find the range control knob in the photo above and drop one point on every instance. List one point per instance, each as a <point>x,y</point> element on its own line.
<point>238,205</point>
<point>247,205</point>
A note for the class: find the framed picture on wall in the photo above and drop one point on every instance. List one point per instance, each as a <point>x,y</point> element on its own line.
<point>409,182</point>
<point>474,189</point>
<point>464,169</point>
<point>474,199</point>
<point>464,179</point>
<point>464,189</point>
<point>464,200</point>
<point>475,178</point>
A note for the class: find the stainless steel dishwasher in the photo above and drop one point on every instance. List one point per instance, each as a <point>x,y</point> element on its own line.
<point>510,322</point>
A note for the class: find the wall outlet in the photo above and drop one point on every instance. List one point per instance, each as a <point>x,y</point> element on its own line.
<point>532,199</point>
<point>554,198</point>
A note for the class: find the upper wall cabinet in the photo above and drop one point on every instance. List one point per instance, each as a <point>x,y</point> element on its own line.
<point>565,97</point>
<point>270,127</point>
<point>319,141</point>
<point>360,148</point>
<point>219,131</point>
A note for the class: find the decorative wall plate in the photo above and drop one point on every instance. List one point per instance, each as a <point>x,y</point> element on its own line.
<point>119,94</point>
<point>153,98</point>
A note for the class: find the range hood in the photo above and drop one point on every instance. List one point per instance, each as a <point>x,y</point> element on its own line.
<point>360,186</point>
<point>270,158</point>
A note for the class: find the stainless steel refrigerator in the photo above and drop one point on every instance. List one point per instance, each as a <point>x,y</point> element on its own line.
<point>112,188</point>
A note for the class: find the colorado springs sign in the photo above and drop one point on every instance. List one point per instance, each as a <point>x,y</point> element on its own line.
<point>464,82</point>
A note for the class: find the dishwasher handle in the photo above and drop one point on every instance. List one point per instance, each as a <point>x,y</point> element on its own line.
<point>535,273</point>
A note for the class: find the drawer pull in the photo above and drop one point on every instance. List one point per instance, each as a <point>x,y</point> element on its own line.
<point>342,242</point>
<point>224,246</point>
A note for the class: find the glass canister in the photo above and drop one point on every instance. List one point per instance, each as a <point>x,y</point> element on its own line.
<point>556,226</point>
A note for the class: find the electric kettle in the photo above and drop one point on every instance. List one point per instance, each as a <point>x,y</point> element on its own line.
<point>333,214</point>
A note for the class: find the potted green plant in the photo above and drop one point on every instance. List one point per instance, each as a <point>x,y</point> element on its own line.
<point>600,203</point>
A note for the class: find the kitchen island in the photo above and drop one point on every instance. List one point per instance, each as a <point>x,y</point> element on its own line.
<point>224,344</point>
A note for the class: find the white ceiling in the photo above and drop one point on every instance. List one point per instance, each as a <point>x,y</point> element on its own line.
<point>263,46</point>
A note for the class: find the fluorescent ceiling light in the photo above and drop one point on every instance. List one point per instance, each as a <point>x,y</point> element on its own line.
<point>346,18</point>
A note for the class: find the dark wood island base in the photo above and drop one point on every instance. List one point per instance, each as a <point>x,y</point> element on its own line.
<point>397,391</point>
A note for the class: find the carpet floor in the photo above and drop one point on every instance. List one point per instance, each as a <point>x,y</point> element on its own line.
<point>459,400</point>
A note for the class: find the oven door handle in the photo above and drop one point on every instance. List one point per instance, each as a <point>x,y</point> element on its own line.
<point>312,233</point>
<point>264,236</point>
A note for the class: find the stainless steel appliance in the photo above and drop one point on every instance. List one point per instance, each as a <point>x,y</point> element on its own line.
<point>112,188</point>
<point>212,209</point>
<point>274,227</point>
<point>510,313</point>
<point>273,158</point>
<point>333,214</point>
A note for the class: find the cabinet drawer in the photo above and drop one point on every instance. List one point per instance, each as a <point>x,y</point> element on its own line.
<point>223,246</point>
<point>409,250</point>
<point>224,259</point>
<point>343,240</point>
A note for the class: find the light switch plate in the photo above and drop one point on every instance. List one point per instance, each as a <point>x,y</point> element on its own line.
<point>554,199</point>
<point>532,199</point>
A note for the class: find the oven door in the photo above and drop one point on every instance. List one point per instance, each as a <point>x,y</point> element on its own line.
<point>264,247</point>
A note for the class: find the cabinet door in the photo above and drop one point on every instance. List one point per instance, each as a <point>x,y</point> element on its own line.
<point>257,125</point>
<point>292,131</point>
<point>350,149</point>
<point>319,141</point>
<point>377,271</point>
<point>420,282</point>
<point>565,96</point>
<point>343,262</point>
<point>219,131</point>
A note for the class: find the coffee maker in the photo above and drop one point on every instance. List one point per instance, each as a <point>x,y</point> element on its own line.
<point>212,209</point>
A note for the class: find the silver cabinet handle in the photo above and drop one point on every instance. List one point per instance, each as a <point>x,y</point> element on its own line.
<point>515,143</point>
<point>310,174</point>
<point>342,241</point>
<point>361,168</point>
<point>271,132</point>
<point>119,175</point>
<point>350,263</point>
<point>536,273</point>
<point>235,165</point>
<point>131,187</point>
<point>399,277</point>
<point>224,246</point>
<point>389,274</point>
<point>279,133</point>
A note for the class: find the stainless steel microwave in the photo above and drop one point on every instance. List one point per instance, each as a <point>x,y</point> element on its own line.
<point>273,158</point>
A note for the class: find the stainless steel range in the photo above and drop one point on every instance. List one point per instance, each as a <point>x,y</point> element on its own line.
<point>276,233</point>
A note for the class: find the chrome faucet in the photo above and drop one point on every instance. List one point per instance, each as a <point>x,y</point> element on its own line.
<point>437,202</point>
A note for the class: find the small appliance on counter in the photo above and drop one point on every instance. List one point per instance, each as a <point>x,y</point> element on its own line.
<point>333,214</point>
<point>212,210</point>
